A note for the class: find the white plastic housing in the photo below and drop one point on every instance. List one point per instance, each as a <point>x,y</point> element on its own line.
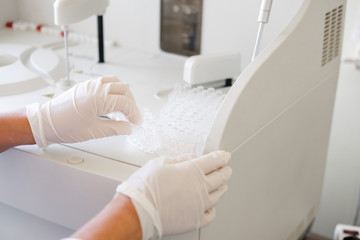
<point>16,77</point>
<point>207,68</point>
<point>276,121</point>
<point>71,11</point>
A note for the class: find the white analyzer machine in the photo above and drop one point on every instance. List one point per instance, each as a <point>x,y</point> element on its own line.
<point>275,120</point>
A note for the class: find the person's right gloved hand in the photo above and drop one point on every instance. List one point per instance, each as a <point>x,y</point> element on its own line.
<point>176,195</point>
<point>74,116</point>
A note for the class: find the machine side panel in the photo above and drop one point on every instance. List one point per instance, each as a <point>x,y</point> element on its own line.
<point>274,192</point>
<point>276,122</point>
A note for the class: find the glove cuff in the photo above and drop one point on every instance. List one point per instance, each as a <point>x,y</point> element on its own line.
<point>146,212</point>
<point>36,124</point>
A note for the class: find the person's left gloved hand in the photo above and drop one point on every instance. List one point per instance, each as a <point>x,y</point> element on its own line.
<point>74,115</point>
<point>179,194</point>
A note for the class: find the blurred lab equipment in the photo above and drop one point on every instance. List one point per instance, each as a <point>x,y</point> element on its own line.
<point>208,68</point>
<point>71,11</point>
<point>346,232</point>
<point>181,26</point>
<point>68,12</point>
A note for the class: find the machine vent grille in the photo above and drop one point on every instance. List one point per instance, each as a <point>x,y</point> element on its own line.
<point>332,34</point>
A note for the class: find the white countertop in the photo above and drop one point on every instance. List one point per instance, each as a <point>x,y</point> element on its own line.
<point>147,74</point>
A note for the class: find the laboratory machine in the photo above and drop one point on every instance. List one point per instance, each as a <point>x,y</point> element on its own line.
<point>275,120</point>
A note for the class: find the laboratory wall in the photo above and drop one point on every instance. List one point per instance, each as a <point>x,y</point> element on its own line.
<point>352,21</point>
<point>231,25</point>
<point>8,11</point>
<point>228,25</point>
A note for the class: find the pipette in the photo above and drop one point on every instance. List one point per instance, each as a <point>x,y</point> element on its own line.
<point>66,34</point>
<point>66,82</point>
<point>263,18</point>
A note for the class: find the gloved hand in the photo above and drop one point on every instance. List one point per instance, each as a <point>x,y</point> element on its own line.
<point>74,115</point>
<point>176,195</point>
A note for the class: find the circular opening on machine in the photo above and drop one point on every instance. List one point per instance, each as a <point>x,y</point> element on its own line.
<point>6,59</point>
<point>75,160</point>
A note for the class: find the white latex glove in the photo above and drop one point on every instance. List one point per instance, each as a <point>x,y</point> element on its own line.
<point>74,115</point>
<point>176,195</point>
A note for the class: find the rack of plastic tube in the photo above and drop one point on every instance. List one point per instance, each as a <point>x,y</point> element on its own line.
<point>183,123</point>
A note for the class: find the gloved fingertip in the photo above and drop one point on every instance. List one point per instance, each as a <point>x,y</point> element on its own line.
<point>214,196</point>
<point>118,88</point>
<point>181,158</point>
<point>227,171</point>
<point>109,78</point>
<point>209,215</point>
<point>218,178</point>
<point>212,161</point>
<point>127,131</point>
<point>136,119</point>
<point>223,189</point>
<point>225,156</point>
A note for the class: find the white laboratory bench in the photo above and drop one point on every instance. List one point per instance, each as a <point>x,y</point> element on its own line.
<point>47,194</point>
